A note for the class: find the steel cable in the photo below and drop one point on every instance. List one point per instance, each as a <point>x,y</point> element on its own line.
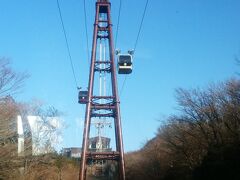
<point>118,21</point>
<point>141,24</point>
<point>67,44</point>
<point>136,42</point>
<point>86,29</point>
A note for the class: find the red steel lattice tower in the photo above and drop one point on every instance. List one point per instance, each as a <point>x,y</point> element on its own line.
<point>102,106</point>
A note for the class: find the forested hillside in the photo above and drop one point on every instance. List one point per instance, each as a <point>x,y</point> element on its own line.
<point>201,141</point>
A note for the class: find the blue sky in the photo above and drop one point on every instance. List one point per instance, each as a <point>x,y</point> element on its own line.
<point>183,43</point>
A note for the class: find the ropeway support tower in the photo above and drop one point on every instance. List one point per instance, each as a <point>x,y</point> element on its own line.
<point>102,105</point>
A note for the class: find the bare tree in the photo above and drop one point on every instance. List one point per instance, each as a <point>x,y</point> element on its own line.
<point>46,130</point>
<point>38,138</point>
<point>10,81</point>
<point>201,141</point>
<point>16,131</point>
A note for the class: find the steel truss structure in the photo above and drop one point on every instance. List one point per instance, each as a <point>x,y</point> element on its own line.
<point>102,106</point>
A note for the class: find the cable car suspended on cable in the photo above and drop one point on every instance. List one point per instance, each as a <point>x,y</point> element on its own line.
<point>83,97</point>
<point>125,62</point>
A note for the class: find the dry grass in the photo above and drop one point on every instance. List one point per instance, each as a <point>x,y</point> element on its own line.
<point>42,168</point>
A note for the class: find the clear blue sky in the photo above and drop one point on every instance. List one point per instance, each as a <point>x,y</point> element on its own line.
<point>184,43</point>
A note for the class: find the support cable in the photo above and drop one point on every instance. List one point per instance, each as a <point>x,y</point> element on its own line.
<point>141,24</point>
<point>67,44</point>
<point>136,42</point>
<point>118,22</point>
<point>86,29</point>
<point>119,15</point>
<point>123,85</point>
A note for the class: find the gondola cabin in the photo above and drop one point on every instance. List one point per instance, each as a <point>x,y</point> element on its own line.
<point>83,97</point>
<point>124,63</point>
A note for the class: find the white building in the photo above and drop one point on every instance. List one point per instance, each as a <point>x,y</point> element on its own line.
<point>45,134</point>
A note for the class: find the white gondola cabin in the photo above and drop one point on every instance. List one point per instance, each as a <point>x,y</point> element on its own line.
<point>124,63</point>
<point>83,97</point>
